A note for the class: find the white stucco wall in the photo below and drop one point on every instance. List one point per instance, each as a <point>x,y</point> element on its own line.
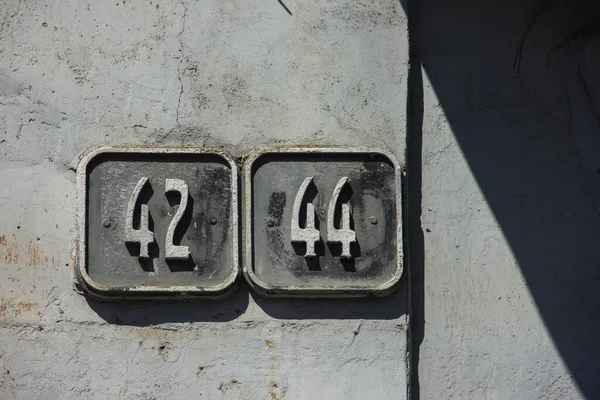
<point>233,75</point>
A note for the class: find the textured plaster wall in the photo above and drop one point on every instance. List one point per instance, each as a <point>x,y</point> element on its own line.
<point>503,220</point>
<point>236,75</point>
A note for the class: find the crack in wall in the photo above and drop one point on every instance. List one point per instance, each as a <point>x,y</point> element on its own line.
<point>181,59</point>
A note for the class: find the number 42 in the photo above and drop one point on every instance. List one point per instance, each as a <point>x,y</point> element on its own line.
<point>143,235</point>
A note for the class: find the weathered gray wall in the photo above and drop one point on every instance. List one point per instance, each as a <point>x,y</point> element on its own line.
<point>236,75</point>
<point>502,190</point>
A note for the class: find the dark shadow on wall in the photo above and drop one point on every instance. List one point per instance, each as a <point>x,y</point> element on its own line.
<point>414,240</point>
<point>387,308</point>
<point>238,305</point>
<point>147,313</point>
<point>519,134</point>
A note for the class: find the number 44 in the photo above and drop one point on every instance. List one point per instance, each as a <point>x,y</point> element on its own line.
<point>310,235</point>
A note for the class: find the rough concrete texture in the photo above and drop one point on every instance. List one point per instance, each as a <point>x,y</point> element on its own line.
<point>509,278</point>
<point>231,74</point>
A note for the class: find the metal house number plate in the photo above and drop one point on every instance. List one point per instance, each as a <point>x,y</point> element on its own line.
<point>164,222</point>
<point>322,222</point>
<point>157,222</point>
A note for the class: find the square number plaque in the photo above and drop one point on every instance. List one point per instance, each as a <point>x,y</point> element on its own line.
<point>157,222</point>
<point>323,222</point>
